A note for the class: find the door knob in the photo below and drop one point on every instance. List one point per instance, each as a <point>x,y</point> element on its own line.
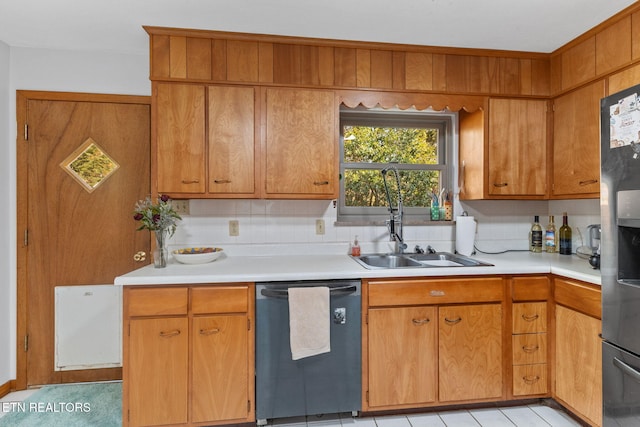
<point>140,256</point>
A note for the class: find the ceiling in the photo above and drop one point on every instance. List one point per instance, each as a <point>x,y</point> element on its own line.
<point>116,25</point>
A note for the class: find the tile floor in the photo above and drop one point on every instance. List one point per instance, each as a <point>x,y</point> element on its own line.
<point>537,415</point>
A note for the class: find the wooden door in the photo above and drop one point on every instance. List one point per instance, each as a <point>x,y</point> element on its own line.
<point>158,371</point>
<point>517,147</point>
<point>231,141</point>
<point>470,346</point>
<point>576,142</point>
<point>219,368</point>
<point>301,144</point>
<point>180,138</point>
<point>72,233</point>
<point>402,356</point>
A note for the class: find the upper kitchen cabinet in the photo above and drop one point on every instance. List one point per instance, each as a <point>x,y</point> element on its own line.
<point>517,147</point>
<point>180,138</point>
<point>205,141</point>
<point>506,156</point>
<point>301,144</point>
<point>576,143</point>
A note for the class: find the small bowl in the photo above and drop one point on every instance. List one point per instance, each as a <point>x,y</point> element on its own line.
<point>200,255</point>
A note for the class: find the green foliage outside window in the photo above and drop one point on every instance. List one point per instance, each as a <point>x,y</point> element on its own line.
<point>382,145</point>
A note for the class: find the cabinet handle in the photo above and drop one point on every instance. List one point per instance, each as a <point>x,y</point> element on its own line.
<point>453,321</point>
<point>531,379</point>
<point>587,182</point>
<point>320,182</point>
<point>222,181</point>
<point>190,181</point>
<point>210,331</point>
<point>140,256</point>
<point>420,322</point>
<point>500,184</point>
<point>530,348</point>
<point>527,318</point>
<point>169,334</point>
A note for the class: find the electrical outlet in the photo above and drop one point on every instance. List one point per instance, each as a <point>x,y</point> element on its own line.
<point>234,228</point>
<point>180,206</point>
<point>319,226</point>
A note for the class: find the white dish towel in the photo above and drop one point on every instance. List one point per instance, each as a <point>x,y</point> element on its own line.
<point>309,321</point>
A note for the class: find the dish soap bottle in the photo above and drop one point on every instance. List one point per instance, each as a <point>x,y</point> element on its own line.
<point>355,248</point>
<point>536,235</point>
<point>550,236</point>
<point>564,236</point>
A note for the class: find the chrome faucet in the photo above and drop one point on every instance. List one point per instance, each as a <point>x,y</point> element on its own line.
<point>394,223</point>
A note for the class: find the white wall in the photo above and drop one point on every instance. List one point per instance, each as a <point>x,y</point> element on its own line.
<point>47,70</point>
<point>5,221</point>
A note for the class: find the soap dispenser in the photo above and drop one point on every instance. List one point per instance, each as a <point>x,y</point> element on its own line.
<point>355,248</point>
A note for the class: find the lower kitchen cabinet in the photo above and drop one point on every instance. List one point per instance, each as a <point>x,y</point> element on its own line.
<point>470,352</point>
<point>403,349</point>
<point>419,350</point>
<point>188,355</point>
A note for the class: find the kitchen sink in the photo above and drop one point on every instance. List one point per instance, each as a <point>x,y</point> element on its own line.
<point>427,260</point>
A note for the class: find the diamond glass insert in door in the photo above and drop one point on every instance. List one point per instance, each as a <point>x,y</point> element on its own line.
<point>89,165</point>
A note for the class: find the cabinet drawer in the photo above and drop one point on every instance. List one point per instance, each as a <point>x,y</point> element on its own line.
<point>219,299</point>
<point>529,317</point>
<point>156,301</point>
<point>529,348</point>
<point>436,291</point>
<point>530,288</point>
<point>530,379</point>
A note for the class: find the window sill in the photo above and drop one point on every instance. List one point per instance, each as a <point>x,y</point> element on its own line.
<point>364,223</point>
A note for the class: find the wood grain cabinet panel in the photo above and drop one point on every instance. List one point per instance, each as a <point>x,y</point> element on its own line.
<point>517,147</point>
<point>301,154</point>
<point>530,379</point>
<point>180,138</point>
<point>576,143</point>
<point>470,352</point>
<point>613,46</point>
<point>402,356</point>
<point>529,317</point>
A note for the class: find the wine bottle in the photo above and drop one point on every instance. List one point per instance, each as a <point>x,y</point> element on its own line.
<point>536,235</point>
<point>550,236</point>
<point>564,236</point>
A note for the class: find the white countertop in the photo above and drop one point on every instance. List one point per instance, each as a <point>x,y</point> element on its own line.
<point>324,267</point>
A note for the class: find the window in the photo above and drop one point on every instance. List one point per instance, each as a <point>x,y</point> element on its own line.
<point>418,143</point>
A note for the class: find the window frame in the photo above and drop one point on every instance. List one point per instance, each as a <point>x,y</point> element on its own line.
<point>444,121</point>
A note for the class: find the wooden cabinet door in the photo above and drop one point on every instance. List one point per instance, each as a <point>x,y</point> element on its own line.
<point>179,123</point>
<point>576,142</point>
<point>301,158</point>
<point>219,368</point>
<point>158,371</point>
<point>517,147</point>
<point>402,356</point>
<point>579,363</point>
<point>231,140</point>
<point>470,352</point>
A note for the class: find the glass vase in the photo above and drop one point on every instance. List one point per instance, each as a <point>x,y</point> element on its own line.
<point>160,253</point>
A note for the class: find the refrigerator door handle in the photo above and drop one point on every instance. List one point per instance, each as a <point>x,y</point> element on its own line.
<point>627,369</point>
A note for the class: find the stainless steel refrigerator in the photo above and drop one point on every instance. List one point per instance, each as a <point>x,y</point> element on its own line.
<point>620,256</point>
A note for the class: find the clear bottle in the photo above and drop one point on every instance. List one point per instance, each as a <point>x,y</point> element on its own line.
<point>564,236</point>
<point>550,236</point>
<point>536,236</point>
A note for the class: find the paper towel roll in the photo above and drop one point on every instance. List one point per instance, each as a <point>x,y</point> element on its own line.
<point>465,234</point>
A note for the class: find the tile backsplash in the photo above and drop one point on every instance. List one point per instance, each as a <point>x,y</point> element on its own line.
<point>289,226</point>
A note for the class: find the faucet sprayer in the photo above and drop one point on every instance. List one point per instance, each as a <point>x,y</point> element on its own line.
<point>395,214</point>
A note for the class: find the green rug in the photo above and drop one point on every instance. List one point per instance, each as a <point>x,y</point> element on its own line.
<point>72,405</point>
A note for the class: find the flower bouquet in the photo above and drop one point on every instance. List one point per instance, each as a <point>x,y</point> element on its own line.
<point>160,218</point>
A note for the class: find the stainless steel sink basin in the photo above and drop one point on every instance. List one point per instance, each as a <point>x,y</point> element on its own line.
<point>438,259</point>
<point>387,261</point>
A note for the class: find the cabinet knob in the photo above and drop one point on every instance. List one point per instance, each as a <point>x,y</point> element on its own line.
<point>190,181</point>
<point>532,379</point>
<point>320,182</point>
<point>169,334</point>
<point>210,331</point>
<point>222,181</point>
<point>530,318</point>
<point>420,322</point>
<point>500,184</point>
<point>140,256</point>
<point>530,348</point>
<point>588,182</point>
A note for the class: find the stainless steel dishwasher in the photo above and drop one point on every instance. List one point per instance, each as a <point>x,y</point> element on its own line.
<point>323,384</point>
